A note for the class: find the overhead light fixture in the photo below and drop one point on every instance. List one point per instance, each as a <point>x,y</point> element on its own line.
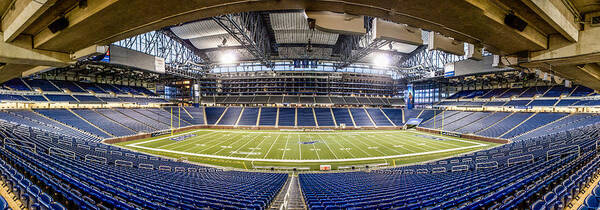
<point>228,57</point>
<point>381,60</point>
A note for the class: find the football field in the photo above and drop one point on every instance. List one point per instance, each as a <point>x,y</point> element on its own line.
<point>260,149</point>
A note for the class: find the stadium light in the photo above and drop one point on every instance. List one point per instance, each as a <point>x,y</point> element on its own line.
<point>228,58</point>
<point>381,60</point>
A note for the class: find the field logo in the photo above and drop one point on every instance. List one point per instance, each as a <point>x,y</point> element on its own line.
<point>308,142</point>
<point>181,138</point>
<point>432,137</point>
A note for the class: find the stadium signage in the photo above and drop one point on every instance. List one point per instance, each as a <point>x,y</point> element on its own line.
<point>160,133</point>
<point>446,133</point>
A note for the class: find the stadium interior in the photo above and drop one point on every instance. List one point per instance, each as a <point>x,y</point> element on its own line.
<point>300,104</point>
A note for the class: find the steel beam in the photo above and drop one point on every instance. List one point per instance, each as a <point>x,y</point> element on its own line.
<point>250,33</point>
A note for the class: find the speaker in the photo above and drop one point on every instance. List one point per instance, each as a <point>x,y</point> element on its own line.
<point>515,22</point>
<point>58,25</point>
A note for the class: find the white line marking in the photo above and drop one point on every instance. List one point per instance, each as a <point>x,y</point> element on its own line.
<point>309,161</point>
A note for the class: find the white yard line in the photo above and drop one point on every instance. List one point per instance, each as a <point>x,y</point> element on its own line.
<point>231,143</point>
<point>285,148</point>
<point>166,137</point>
<point>218,144</point>
<point>309,161</point>
<point>325,142</point>
<point>271,147</point>
<point>477,144</point>
<point>342,146</point>
<point>238,149</point>
<point>182,141</point>
<point>383,146</point>
<point>353,145</point>
<point>299,147</point>
<point>314,147</point>
<point>402,143</point>
<point>257,146</point>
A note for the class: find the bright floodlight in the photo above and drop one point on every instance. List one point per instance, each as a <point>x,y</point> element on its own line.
<point>228,57</point>
<point>381,60</point>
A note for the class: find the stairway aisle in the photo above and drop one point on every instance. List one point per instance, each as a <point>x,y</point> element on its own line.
<point>290,196</point>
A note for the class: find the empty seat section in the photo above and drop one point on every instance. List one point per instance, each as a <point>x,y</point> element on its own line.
<point>213,114</point>
<point>275,99</point>
<point>152,121</point>
<point>307,100</point>
<point>581,91</point>
<point>439,119</point>
<point>56,97</point>
<point>378,117</point>
<point>290,99</point>
<point>91,87</point>
<point>165,116</point>
<point>87,98</point>
<point>306,117</point>
<point>533,91</point>
<point>517,103</point>
<point>426,114</point>
<point>322,100</point>
<point>16,84</point>
<point>12,97</point>
<point>69,85</point>
<point>495,103</point>
<point>543,102</point>
<point>65,116</point>
<point>111,99</point>
<point>324,117</point>
<point>484,122</point>
<point>110,88</point>
<point>27,115</point>
<point>125,120</point>
<point>342,116</point>
<point>567,102</point>
<point>538,120</point>
<point>287,117</point>
<point>42,84</point>
<point>249,117</point>
<point>260,99</point>
<point>337,100</point>
<point>471,118</point>
<point>100,121</point>
<point>350,100</point>
<point>512,92</point>
<point>230,116</point>
<point>180,112</point>
<point>558,90</point>
<point>268,116</point>
<point>505,125</point>
<point>360,117</point>
<point>395,115</point>
<point>493,93</point>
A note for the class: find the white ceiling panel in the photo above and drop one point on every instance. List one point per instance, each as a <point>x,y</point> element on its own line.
<point>208,42</point>
<point>288,21</point>
<point>198,29</point>
<point>300,52</point>
<point>302,36</point>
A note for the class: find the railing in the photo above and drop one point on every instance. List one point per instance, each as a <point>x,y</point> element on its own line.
<point>569,150</point>
<point>61,152</point>
<point>97,159</point>
<point>20,143</point>
<point>146,166</point>
<point>491,164</point>
<point>123,163</point>
<point>520,159</point>
<point>460,168</point>
<point>438,170</point>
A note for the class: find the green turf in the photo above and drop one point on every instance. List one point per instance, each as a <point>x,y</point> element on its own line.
<point>253,149</point>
